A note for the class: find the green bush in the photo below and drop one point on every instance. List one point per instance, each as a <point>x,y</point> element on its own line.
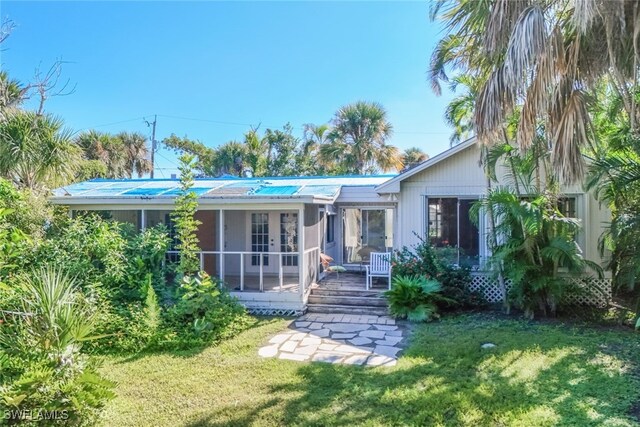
<point>414,298</point>
<point>90,248</point>
<point>205,313</point>
<point>426,261</point>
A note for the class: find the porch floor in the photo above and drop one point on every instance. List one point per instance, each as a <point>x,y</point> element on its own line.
<point>271,283</point>
<point>352,281</point>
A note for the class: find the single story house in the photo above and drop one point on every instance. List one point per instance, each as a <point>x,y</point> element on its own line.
<point>263,236</point>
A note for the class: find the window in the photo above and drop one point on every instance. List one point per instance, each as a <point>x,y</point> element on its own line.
<point>259,237</point>
<point>567,207</point>
<point>331,228</point>
<point>289,238</point>
<point>449,225</point>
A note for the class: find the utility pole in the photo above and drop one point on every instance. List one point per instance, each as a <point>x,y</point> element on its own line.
<point>153,143</point>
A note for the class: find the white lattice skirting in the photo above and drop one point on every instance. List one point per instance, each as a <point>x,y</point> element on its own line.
<point>270,311</point>
<point>597,291</point>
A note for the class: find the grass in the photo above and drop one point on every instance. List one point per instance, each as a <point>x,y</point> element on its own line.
<point>539,374</point>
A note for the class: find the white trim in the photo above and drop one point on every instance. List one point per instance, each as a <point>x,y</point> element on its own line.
<point>301,257</point>
<point>165,200</point>
<point>392,186</point>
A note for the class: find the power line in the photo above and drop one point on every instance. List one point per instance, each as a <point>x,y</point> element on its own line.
<point>293,127</point>
<point>111,124</point>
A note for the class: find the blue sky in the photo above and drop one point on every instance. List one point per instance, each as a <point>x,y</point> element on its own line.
<point>225,66</point>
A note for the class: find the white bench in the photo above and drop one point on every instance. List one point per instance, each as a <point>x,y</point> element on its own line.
<point>379,266</point>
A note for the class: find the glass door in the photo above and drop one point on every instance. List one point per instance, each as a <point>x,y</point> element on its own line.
<point>273,232</point>
<point>366,231</point>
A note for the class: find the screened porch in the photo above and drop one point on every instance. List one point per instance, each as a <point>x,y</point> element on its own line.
<point>261,250</point>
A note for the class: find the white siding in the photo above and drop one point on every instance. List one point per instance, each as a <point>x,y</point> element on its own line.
<point>461,175</point>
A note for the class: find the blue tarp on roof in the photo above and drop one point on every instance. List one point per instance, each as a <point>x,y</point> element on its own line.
<point>277,190</point>
<point>228,187</point>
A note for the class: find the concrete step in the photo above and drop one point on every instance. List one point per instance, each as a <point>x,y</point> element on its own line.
<point>321,290</point>
<point>351,309</point>
<point>372,301</point>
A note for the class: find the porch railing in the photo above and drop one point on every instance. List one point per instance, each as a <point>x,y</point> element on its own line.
<point>306,268</point>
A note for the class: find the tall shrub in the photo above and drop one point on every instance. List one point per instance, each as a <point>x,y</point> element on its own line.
<point>183,216</point>
<point>537,250</point>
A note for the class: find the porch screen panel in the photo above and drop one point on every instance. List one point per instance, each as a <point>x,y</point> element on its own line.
<point>259,237</point>
<point>351,236</point>
<point>289,238</point>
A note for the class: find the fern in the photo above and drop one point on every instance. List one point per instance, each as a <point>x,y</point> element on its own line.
<point>414,298</point>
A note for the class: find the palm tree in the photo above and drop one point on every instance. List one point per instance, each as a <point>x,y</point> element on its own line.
<point>229,159</point>
<point>36,151</point>
<point>413,156</point>
<point>536,243</point>
<point>358,140</point>
<point>309,160</point>
<point>12,93</point>
<point>539,59</point>
<point>459,112</point>
<point>108,149</point>
<point>137,153</point>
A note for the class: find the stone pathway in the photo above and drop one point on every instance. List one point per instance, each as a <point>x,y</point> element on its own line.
<point>338,338</point>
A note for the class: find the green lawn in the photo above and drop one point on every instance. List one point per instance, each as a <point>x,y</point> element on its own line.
<point>540,374</point>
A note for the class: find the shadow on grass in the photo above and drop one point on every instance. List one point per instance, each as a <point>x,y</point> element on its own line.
<point>538,375</point>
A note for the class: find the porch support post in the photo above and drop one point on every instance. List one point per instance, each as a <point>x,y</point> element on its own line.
<point>221,243</point>
<point>143,219</point>
<point>302,261</point>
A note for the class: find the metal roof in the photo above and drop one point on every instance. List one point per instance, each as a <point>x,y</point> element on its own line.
<point>317,188</point>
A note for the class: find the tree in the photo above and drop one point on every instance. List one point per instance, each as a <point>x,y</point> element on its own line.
<point>204,156</point>
<point>12,93</point>
<point>183,216</point>
<point>106,149</point>
<point>539,60</point>
<point>459,112</point>
<point>309,161</point>
<point>358,141</point>
<point>122,155</point>
<point>36,151</point>
<point>282,150</point>
<point>137,153</point>
<point>413,156</point>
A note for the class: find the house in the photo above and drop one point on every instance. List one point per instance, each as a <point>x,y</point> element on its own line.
<point>263,236</point>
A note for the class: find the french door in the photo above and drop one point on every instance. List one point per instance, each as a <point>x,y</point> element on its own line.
<point>272,232</point>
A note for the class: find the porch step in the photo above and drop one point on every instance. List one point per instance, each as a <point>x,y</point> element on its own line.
<point>345,292</point>
<point>347,300</point>
<point>351,309</point>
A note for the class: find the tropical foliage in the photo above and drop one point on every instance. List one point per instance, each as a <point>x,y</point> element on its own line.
<point>186,225</point>
<point>537,250</point>
<point>356,142</point>
<point>414,298</point>
<point>431,263</point>
<point>43,369</point>
<point>538,60</point>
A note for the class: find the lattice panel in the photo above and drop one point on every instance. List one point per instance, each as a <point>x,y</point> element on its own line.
<point>597,291</point>
<point>488,287</point>
<point>270,311</point>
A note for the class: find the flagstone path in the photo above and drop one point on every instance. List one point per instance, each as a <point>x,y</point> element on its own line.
<point>338,338</point>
